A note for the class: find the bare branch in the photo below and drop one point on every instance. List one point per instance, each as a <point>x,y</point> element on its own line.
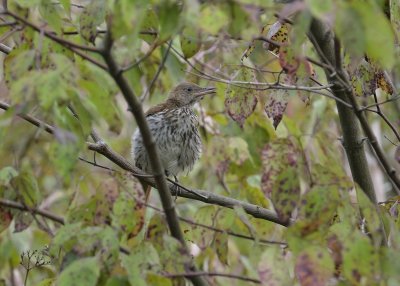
<point>43,213</point>
<point>207,197</point>
<point>231,233</point>
<point>76,48</point>
<point>151,148</point>
<point>52,36</point>
<point>233,276</point>
<point>321,36</point>
<point>144,57</point>
<point>160,67</point>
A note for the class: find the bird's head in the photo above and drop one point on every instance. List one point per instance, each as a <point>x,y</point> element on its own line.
<point>188,94</point>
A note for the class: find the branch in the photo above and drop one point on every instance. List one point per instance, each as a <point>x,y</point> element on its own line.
<point>76,48</point>
<point>358,163</point>
<point>208,197</point>
<point>38,123</point>
<point>233,276</point>
<point>151,148</point>
<point>160,67</point>
<point>387,121</point>
<point>323,40</point>
<point>60,220</point>
<point>43,213</point>
<point>51,35</point>
<point>231,233</point>
<point>145,56</point>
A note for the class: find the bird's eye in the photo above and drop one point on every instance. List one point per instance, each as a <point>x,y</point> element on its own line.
<point>189,89</point>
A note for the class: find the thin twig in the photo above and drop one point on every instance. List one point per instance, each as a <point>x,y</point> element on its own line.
<point>52,36</point>
<point>43,213</point>
<point>231,233</point>
<point>160,67</point>
<point>380,103</point>
<point>226,275</point>
<point>137,62</point>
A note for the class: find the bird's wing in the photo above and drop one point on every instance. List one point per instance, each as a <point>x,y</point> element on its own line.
<point>155,109</point>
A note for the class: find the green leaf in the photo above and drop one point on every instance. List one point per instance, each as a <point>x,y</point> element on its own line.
<point>272,268</point>
<point>84,271</point>
<point>277,156</point>
<point>128,213</point>
<point>221,246</point>
<point>371,31</point>
<point>27,188</point>
<point>239,19</point>
<point>360,259</point>
<point>50,14</point>
<point>22,221</point>
<point>317,210</point>
<point>142,260</point>
<point>314,267</point>
<point>67,6</point>
<point>169,17</point>
<point>158,280</point>
<point>117,281</point>
<point>7,174</point>
<point>190,42</point>
<point>28,3</point>
<point>286,193</point>
<point>213,19</point>
<point>395,16</point>
<point>47,282</point>
<point>18,62</point>
<point>92,16</point>
<point>65,237</point>
<point>369,213</point>
<point>379,35</point>
<point>320,8</point>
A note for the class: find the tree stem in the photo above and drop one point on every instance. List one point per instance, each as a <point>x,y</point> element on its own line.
<point>328,49</point>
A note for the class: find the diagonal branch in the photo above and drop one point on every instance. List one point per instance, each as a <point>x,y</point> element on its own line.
<point>52,36</point>
<point>322,38</point>
<point>151,148</point>
<point>208,197</point>
<point>43,213</point>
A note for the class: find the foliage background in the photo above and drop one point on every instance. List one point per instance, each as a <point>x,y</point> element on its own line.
<point>295,165</point>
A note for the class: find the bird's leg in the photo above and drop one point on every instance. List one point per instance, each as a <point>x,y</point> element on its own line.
<point>176,187</point>
<point>176,193</point>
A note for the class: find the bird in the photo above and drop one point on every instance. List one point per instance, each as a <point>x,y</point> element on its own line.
<point>174,127</point>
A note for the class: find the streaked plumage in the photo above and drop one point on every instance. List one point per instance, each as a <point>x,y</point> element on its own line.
<point>174,127</point>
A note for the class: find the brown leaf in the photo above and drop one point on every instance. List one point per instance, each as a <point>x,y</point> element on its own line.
<point>314,267</point>
<point>276,157</point>
<point>22,221</point>
<point>280,181</point>
<point>5,218</point>
<point>276,105</point>
<point>240,102</point>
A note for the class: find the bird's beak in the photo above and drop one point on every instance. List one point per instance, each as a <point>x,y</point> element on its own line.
<point>206,90</point>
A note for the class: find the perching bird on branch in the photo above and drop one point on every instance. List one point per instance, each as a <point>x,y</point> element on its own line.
<point>173,125</point>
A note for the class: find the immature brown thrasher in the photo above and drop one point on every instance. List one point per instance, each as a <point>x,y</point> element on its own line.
<point>173,125</point>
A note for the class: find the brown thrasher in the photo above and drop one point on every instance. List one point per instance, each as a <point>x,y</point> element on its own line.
<point>173,125</point>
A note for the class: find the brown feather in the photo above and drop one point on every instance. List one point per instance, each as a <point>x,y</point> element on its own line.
<point>170,103</point>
